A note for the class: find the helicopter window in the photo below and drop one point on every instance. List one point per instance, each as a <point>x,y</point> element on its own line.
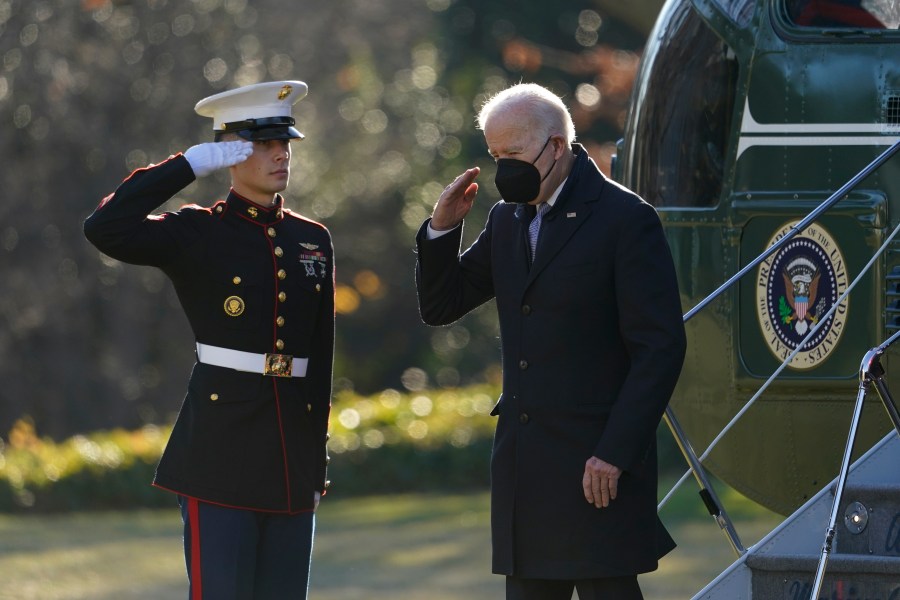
<point>684,123</point>
<point>892,110</point>
<point>841,14</point>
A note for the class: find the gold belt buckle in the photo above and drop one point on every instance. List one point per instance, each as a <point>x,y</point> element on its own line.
<point>279,365</point>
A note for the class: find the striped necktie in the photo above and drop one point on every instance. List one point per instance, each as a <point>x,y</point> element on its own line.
<point>535,226</point>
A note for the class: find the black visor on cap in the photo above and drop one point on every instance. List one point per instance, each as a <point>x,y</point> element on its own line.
<point>270,128</point>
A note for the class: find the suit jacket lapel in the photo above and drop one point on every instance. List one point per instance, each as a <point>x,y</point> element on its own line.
<point>571,210</point>
<point>555,232</point>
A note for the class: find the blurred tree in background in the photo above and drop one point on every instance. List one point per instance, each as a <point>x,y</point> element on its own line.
<point>92,89</point>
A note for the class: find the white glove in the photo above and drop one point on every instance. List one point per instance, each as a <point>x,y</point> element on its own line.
<point>211,156</point>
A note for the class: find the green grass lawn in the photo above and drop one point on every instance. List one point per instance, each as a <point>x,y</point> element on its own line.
<point>417,546</point>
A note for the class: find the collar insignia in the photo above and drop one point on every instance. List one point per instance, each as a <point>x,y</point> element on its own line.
<point>252,211</point>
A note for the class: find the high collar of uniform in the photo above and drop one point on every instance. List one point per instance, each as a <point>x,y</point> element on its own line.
<point>240,206</point>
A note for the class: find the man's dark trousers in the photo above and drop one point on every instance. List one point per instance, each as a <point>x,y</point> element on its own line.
<point>235,554</point>
<point>608,588</point>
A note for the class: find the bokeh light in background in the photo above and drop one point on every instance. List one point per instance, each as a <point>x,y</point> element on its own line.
<point>92,89</point>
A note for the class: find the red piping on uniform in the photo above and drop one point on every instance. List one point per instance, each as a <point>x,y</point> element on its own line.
<point>287,477</point>
<point>105,200</point>
<point>249,220</point>
<point>196,578</point>
<point>259,207</point>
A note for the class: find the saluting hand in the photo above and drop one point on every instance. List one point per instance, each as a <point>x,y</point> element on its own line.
<point>212,156</point>
<point>456,201</point>
<point>600,482</point>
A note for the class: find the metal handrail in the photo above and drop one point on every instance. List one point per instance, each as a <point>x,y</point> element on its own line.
<point>871,372</point>
<point>707,494</point>
<point>811,217</point>
<point>790,357</point>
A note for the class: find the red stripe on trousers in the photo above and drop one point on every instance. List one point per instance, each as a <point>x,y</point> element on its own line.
<point>194,518</point>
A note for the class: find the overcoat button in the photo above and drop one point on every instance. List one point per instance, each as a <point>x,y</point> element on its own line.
<point>526,310</point>
<point>236,281</point>
<point>523,364</point>
<point>282,273</point>
<point>282,296</point>
<point>271,231</point>
<point>309,408</point>
<point>279,252</point>
<point>279,344</point>
<point>213,397</point>
<point>523,418</point>
<point>327,483</point>
<point>280,321</point>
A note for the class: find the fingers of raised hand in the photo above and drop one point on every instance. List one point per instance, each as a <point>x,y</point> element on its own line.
<point>461,186</point>
<point>211,156</point>
<point>234,152</point>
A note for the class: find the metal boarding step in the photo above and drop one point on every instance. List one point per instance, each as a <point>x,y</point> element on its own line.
<point>866,561</point>
<point>865,564</point>
<point>848,577</point>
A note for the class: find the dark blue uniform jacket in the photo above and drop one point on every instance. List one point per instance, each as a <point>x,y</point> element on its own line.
<point>252,279</point>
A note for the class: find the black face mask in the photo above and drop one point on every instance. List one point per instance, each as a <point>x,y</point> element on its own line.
<point>519,181</point>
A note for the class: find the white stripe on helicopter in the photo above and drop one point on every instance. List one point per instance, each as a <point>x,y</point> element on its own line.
<point>753,133</point>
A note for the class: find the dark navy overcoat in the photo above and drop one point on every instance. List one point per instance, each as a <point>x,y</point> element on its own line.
<point>592,343</point>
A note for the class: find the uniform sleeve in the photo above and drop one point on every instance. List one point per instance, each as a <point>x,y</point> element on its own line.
<point>121,227</point>
<point>450,285</point>
<point>652,328</point>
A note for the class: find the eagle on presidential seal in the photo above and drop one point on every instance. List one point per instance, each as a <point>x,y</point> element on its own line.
<point>801,285</point>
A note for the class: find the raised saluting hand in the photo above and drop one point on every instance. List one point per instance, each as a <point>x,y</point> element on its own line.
<point>212,156</point>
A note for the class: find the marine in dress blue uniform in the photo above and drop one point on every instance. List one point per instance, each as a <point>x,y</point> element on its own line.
<point>592,343</point>
<point>247,455</point>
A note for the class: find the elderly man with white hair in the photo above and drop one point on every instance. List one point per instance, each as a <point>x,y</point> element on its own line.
<point>592,344</point>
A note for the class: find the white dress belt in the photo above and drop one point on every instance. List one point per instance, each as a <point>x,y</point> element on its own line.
<point>274,365</point>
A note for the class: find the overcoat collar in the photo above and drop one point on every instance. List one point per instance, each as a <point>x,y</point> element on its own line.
<point>571,210</point>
